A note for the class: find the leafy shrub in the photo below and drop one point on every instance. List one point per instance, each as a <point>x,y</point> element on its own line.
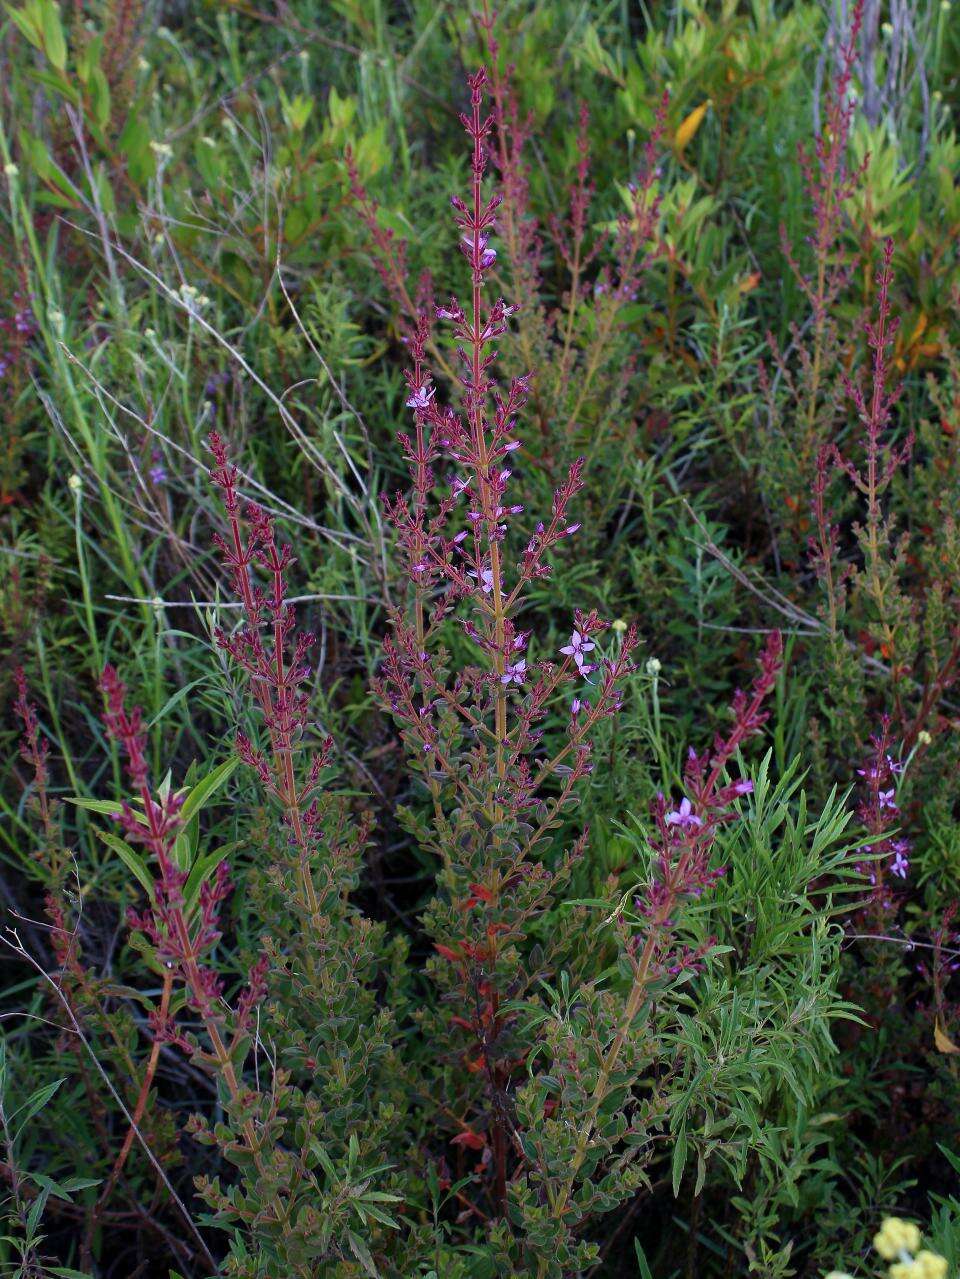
<point>524,842</point>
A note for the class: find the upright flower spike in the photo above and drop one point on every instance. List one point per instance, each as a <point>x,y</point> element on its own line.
<point>477,735</point>
<point>879,816</point>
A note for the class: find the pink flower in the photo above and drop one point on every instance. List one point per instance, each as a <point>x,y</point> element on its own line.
<point>579,644</point>
<point>514,672</point>
<point>485,578</point>
<point>900,865</point>
<point>420,399</point>
<point>684,816</point>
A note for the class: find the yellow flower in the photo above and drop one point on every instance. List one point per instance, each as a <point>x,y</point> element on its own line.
<point>925,1265</point>
<point>932,1265</point>
<point>896,1236</point>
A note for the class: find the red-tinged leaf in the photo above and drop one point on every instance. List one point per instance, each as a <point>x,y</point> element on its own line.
<point>446,953</point>
<point>483,894</point>
<point>462,1021</point>
<point>470,1139</point>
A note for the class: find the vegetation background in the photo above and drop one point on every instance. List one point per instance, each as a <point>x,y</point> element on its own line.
<point>446,1022</point>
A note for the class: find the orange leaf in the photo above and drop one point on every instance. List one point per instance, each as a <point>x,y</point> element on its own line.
<point>942,1042</point>
<point>690,125</point>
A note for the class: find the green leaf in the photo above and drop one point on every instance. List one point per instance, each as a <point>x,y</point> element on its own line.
<point>36,153</point>
<point>208,786</point>
<point>26,21</point>
<point>57,84</point>
<point>89,58</point>
<point>130,858</point>
<point>642,1264</point>
<point>62,1189</point>
<point>34,1215</point>
<point>134,143</point>
<point>105,807</point>
<point>362,1254</point>
<point>136,131</point>
<point>34,1103</point>
<point>679,1160</point>
<point>99,96</point>
<point>202,869</point>
<point>54,45</point>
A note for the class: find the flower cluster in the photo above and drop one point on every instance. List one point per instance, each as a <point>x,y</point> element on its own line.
<point>898,1241</point>
<point>17,330</point>
<point>829,183</point>
<point>34,747</point>
<point>467,563</point>
<point>685,834</point>
<point>273,654</point>
<point>879,815</point>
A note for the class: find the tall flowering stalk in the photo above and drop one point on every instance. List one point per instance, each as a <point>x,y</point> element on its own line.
<point>325,1115</point>
<point>871,474</point>
<point>34,749</point>
<point>879,816</point>
<point>682,850</point>
<point>584,349</point>
<point>182,938</point>
<point>603,270</point>
<point>285,1133</point>
<point>477,734</point>
<point>273,655</point>
<point>811,386</point>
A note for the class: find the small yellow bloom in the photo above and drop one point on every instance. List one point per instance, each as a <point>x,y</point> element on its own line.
<point>904,1270</point>
<point>925,1265</point>
<point>932,1265</point>
<point>896,1236</point>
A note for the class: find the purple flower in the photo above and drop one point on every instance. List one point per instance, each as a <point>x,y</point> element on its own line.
<point>485,256</point>
<point>900,864</point>
<point>684,816</point>
<point>514,672</point>
<point>886,798</point>
<point>579,644</point>
<point>485,578</point>
<point>420,399</point>
<point>158,475</point>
